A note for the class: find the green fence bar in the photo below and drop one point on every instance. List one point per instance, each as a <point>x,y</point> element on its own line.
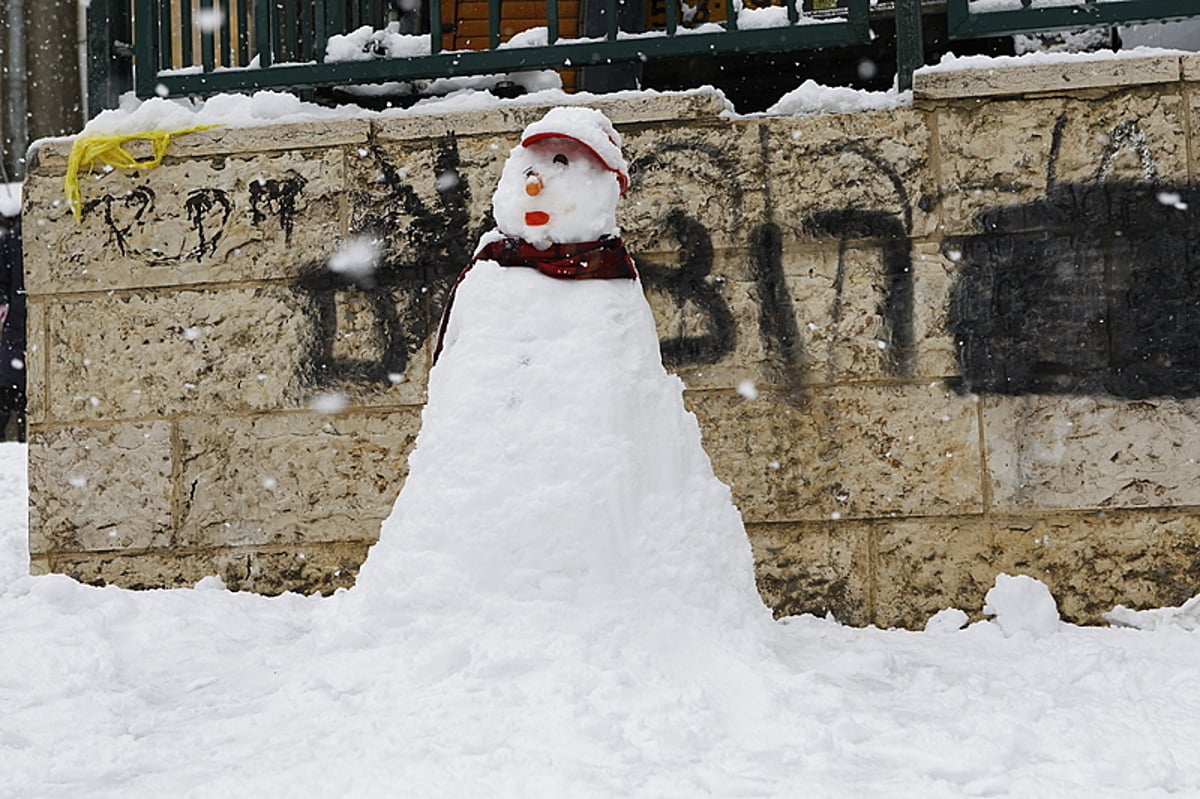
<point>207,49</point>
<point>263,24</point>
<point>611,20</point>
<point>435,27</point>
<point>910,46</point>
<point>552,21</point>
<point>493,24</point>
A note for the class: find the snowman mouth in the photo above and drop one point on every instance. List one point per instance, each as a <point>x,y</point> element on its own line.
<point>535,218</point>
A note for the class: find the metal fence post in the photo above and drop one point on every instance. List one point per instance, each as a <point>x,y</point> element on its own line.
<point>910,47</point>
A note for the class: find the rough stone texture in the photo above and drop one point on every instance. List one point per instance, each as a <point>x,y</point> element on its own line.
<point>291,478</point>
<point>845,452</point>
<point>823,285</point>
<point>97,489</point>
<point>1090,562</point>
<point>1132,136</point>
<point>1058,77</point>
<point>665,199</point>
<point>1092,452</point>
<point>212,220</point>
<point>49,156</point>
<point>511,119</point>
<point>35,363</point>
<point>1189,67</point>
<point>304,568</point>
<point>814,568</point>
<point>832,175</point>
<point>159,354</point>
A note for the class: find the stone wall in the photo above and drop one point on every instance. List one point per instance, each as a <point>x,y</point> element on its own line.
<point>973,326</point>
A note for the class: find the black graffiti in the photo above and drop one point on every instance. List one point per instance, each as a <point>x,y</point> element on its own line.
<point>120,214</point>
<point>404,298</point>
<point>689,283</point>
<point>896,306</point>
<point>209,226</point>
<point>270,197</point>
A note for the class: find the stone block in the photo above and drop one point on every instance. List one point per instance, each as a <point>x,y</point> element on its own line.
<point>222,219</point>
<point>854,451</point>
<point>302,568</point>
<point>849,176</point>
<point>50,156</point>
<point>1052,156</point>
<point>1189,67</point>
<point>509,120</point>
<point>100,489</point>
<point>1005,77</point>
<point>1056,452</point>
<point>707,321</point>
<point>692,189</point>
<point>156,354</point>
<point>815,568</point>
<point>291,478</point>
<point>1090,562</point>
<point>427,201</point>
<point>35,362</point>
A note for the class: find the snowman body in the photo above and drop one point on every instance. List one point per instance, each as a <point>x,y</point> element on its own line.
<point>557,468</point>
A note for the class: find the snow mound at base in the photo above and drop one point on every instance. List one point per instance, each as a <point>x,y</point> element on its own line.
<point>1184,617</point>
<point>1022,604</point>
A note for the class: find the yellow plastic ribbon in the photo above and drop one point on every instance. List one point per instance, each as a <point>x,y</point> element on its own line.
<point>107,147</point>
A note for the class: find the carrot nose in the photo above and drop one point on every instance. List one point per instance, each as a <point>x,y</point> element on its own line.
<point>533,184</point>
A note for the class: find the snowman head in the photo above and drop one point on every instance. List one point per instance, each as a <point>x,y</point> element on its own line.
<point>562,182</point>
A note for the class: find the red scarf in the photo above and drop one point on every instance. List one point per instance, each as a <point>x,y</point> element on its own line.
<point>605,259</point>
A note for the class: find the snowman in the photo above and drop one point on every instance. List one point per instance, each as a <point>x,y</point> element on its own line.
<point>557,473</point>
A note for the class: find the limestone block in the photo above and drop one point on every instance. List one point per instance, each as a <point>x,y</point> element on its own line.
<point>1006,79</point>
<point>303,568</point>
<point>35,362</point>
<point>50,155</point>
<point>100,489</point>
<point>509,120</point>
<point>1090,562</point>
<point>1027,164</point>
<point>215,220</point>
<point>708,323</point>
<point>1189,67</point>
<point>291,478</point>
<point>853,319</point>
<point>428,201</point>
<point>855,451</point>
<point>934,353</point>
<point>850,176</point>
<point>815,568</point>
<point>692,188</point>
<point>1053,452</point>
<point>130,356</point>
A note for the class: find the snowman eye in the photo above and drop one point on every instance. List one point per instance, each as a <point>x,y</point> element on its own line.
<point>561,159</point>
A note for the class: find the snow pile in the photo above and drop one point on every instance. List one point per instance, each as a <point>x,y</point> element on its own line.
<point>367,44</point>
<point>813,98</point>
<point>953,63</point>
<point>1184,617</point>
<point>1022,604</point>
<point>10,199</point>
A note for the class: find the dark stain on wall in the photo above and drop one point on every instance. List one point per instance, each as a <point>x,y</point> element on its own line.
<point>1094,289</point>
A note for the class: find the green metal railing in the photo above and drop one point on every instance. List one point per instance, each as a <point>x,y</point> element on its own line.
<point>202,47</point>
<point>310,30</point>
<point>1026,16</point>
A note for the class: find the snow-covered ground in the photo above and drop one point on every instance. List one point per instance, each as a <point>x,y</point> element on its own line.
<point>562,605</point>
<point>206,693</point>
